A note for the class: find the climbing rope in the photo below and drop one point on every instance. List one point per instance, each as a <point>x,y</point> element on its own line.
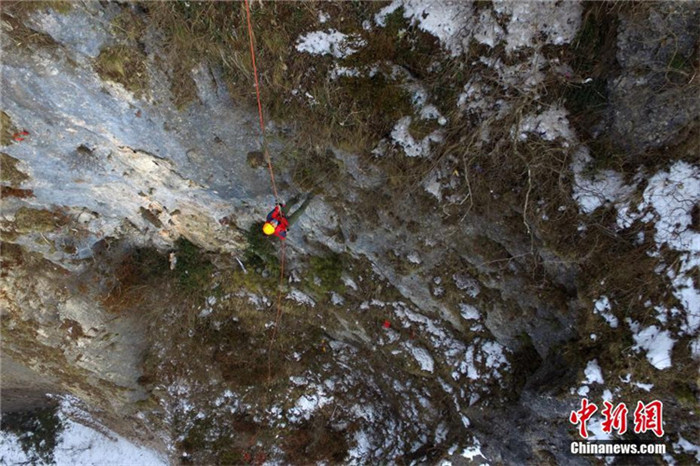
<point>277,317</point>
<point>274,189</point>
<point>260,112</point>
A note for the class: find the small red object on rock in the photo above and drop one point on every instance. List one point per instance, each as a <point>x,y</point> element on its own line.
<point>386,324</point>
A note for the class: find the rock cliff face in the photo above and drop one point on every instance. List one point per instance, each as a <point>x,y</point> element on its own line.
<point>446,292</point>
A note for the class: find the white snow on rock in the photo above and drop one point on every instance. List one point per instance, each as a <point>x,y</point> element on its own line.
<point>445,20</point>
<point>336,299</point>
<point>495,358</point>
<point>454,23</point>
<point>607,396</point>
<point>405,140</point>
<point>414,258</point>
<point>422,357</point>
<point>83,445</point>
<point>687,447</point>
<point>658,345</point>
<point>349,282</point>
<point>469,312</point>
<point>602,307</point>
<point>432,185</point>
<point>644,386</point>
<point>558,22</point>
<point>430,112</point>
<point>668,200</point>
<point>362,447</point>
<point>695,348</point>
<point>467,283</point>
<point>591,192</point>
<point>330,42</point>
<point>301,298</point>
<point>343,71</point>
<point>549,125</point>
<point>306,405</point>
<point>593,373</point>
<point>472,452</point>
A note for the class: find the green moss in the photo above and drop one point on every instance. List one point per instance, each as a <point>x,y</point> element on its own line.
<point>125,65</point>
<point>684,395</point>
<point>324,274</point>
<point>193,269</point>
<point>261,252</point>
<point>37,220</point>
<point>8,170</point>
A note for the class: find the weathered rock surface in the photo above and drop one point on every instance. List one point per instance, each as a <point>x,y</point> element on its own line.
<point>474,348</point>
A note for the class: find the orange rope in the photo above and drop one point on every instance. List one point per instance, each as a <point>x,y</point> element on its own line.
<point>257,94</point>
<point>274,189</point>
<point>278,316</point>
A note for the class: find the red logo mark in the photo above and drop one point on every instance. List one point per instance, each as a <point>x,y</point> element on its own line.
<point>615,418</point>
<point>649,417</point>
<point>582,415</point>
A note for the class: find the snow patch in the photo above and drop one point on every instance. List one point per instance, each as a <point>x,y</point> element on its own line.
<point>644,386</point>
<point>422,357</point>
<point>473,451</point>
<point>549,125</point>
<point>593,373</point>
<point>469,312</point>
<point>330,42</point>
<point>401,135</point>
<point>444,20</point>
<point>591,192</point>
<point>602,307</point>
<point>467,284</point>
<point>80,444</point>
<point>336,299</point>
<point>687,447</point>
<point>658,345</point>
<point>556,22</point>
<point>343,71</point>
<point>668,201</point>
<point>301,298</point>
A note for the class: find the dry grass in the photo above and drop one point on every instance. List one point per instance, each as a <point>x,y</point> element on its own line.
<point>7,191</point>
<point>125,65</point>
<point>8,169</point>
<point>313,442</point>
<point>7,130</point>
<point>28,220</point>
<point>14,13</point>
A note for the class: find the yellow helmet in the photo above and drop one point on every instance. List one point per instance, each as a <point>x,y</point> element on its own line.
<point>268,228</point>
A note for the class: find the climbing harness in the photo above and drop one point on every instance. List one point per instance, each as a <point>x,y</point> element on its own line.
<point>278,316</point>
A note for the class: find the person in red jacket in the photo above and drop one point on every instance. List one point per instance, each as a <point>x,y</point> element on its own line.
<point>277,221</point>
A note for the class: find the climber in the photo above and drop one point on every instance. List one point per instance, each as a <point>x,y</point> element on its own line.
<point>278,220</point>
